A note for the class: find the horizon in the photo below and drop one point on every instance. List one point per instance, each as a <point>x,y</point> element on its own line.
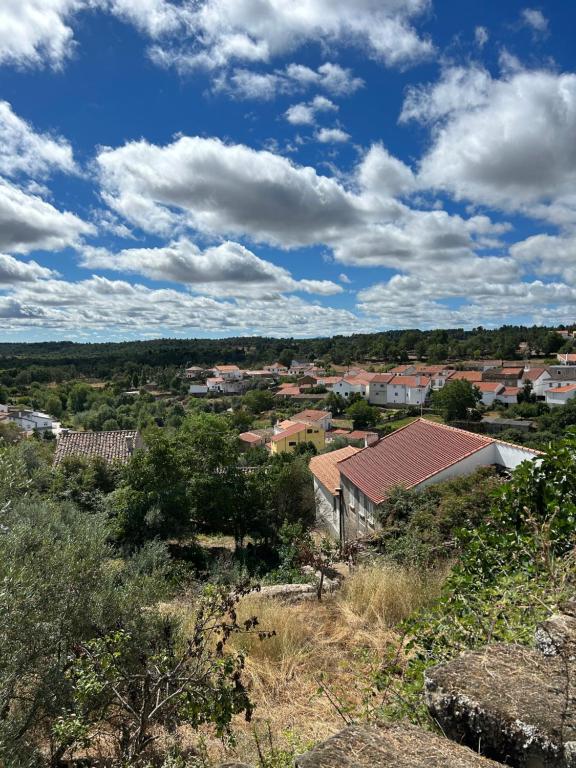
<point>176,169</point>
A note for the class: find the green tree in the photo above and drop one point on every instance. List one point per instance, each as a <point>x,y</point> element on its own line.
<point>60,588</point>
<point>335,403</point>
<point>363,415</point>
<point>258,400</point>
<point>457,400</point>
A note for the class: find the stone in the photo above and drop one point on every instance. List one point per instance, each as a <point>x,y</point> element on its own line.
<point>512,703</point>
<point>557,636</point>
<point>395,746</point>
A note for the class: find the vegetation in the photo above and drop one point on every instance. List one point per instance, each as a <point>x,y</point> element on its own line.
<point>458,400</point>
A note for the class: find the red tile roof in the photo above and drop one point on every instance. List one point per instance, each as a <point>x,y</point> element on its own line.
<point>289,390</point>
<point>511,390</point>
<point>325,467</point>
<point>250,437</point>
<point>293,430</point>
<point>382,378</point>
<point>360,434</point>
<point>565,388</point>
<point>533,374</point>
<point>488,386</point>
<point>409,456</point>
<point>466,376</point>
<point>310,415</point>
<point>407,381</point>
<point>226,368</point>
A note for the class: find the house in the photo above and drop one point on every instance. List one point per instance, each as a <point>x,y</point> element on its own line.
<point>116,446</point>
<point>438,374</point>
<point>298,368</point>
<point>310,416</point>
<point>494,424</point>
<point>509,395</point>
<point>489,391</point>
<point>408,390</point>
<point>326,477</point>
<point>227,372</point>
<point>287,439</point>
<point>539,378</point>
<point>508,376</point>
<point>30,421</point>
<point>327,381</point>
<point>215,384</point>
<point>276,369</point>
<point>378,389</point>
<point>415,456</point>
<point>222,386</point>
<point>360,435</point>
<point>560,376</point>
<point>251,440</point>
<point>198,389</point>
<point>193,372</point>
<point>560,395</point>
<point>288,390</point>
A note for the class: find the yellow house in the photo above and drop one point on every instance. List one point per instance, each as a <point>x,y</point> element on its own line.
<point>289,438</point>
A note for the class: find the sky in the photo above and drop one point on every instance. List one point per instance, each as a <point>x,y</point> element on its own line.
<point>212,168</point>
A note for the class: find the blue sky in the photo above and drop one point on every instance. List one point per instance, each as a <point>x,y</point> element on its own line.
<point>284,167</point>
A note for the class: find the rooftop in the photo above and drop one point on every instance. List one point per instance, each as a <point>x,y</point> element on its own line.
<point>409,456</point>
<point>292,430</point>
<point>466,376</point>
<point>325,467</point>
<point>310,415</point>
<point>118,445</point>
<point>565,388</point>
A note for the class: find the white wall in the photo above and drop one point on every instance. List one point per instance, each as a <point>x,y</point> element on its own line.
<point>327,508</point>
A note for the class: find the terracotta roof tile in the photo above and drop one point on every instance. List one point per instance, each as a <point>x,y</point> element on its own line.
<point>293,430</point>
<point>325,467</point>
<point>310,415</point>
<point>488,386</point>
<point>118,445</point>
<point>250,437</point>
<point>533,374</point>
<point>466,376</point>
<point>409,456</point>
<point>565,388</point>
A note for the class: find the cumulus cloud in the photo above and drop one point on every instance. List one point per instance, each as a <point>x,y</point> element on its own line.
<point>332,136</point>
<point>29,223</point>
<point>224,189</point>
<point>243,83</point>
<point>15,271</point>
<point>509,143</point>
<point>305,114</point>
<point>228,269</point>
<point>481,36</point>
<point>99,304</point>
<point>22,150</point>
<point>218,32</point>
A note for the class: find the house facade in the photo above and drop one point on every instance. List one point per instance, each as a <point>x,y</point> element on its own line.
<point>415,456</point>
<point>326,477</point>
<point>560,395</point>
<point>287,439</point>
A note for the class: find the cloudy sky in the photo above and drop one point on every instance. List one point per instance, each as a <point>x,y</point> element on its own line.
<point>284,167</point>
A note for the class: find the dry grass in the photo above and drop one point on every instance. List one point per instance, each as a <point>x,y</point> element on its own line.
<point>338,643</point>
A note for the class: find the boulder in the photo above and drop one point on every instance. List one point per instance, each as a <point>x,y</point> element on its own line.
<point>396,746</point>
<point>512,703</point>
<point>557,636</point>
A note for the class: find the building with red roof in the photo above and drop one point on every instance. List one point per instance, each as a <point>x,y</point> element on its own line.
<point>326,476</point>
<point>419,454</point>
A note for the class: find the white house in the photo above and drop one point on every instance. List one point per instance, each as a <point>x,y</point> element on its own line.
<point>276,369</point>
<point>509,395</point>
<point>560,395</point>
<point>326,476</point>
<point>193,372</point>
<point>539,378</point>
<point>378,388</point>
<point>408,390</point>
<point>227,372</point>
<point>349,385</point>
<point>415,456</point>
<point>30,421</point>
<point>310,416</point>
<point>490,391</point>
<point>198,389</point>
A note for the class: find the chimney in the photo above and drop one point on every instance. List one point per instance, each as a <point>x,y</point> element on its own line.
<point>130,444</point>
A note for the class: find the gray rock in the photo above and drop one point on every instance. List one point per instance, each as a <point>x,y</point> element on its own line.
<point>557,636</point>
<point>511,703</point>
<point>397,746</point>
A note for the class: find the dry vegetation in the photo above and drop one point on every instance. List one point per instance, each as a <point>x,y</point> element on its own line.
<point>334,645</point>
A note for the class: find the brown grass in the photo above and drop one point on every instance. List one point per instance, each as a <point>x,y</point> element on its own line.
<point>335,645</point>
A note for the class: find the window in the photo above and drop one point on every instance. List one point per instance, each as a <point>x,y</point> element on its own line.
<point>309,431</point>
<point>292,442</point>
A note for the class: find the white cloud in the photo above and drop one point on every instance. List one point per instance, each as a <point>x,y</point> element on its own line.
<point>225,190</point>
<point>510,144</point>
<point>36,32</point>
<point>383,175</point>
<point>218,32</point>
<point>332,136</point>
<point>305,114</point>
<point>459,90</point>
<point>116,305</point>
<point>344,278</point>
<point>338,80</point>
<point>481,36</point>
<point>228,269</point>
<point>29,223</point>
<point>22,150</point>
<point>535,19</point>
<point>15,271</point>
